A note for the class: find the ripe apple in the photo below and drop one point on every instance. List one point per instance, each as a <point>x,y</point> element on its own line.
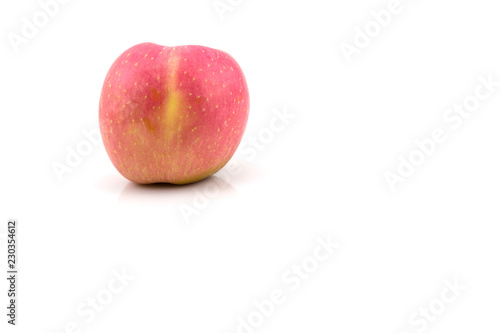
<point>172,114</point>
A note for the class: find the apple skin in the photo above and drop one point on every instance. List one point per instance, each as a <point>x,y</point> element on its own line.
<point>172,114</point>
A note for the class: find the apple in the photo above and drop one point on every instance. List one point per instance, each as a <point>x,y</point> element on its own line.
<point>172,114</point>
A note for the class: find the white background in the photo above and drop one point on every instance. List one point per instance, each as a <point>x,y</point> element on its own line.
<point>322,176</point>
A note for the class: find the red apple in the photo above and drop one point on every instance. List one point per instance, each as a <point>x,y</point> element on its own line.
<point>172,114</point>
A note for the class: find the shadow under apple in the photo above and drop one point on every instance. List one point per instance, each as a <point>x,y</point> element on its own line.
<point>162,194</point>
